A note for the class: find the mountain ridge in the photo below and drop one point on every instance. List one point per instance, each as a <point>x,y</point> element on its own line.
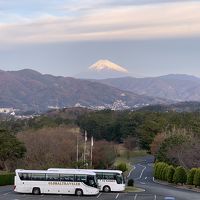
<point>31,90</point>
<point>178,87</point>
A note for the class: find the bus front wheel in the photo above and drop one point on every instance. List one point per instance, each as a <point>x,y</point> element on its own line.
<point>36,191</point>
<point>106,188</point>
<point>79,192</point>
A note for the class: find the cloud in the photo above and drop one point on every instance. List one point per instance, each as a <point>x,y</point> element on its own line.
<point>158,20</point>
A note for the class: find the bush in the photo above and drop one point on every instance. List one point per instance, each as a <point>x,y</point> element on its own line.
<point>180,175</point>
<point>130,182</point>
<point>190,177</point>
<point>164,173</point>
<point>122,166</point>
<point>6,179</point>
<point>170,173</point>
<point>158,168</point>
<point>160,171</point>
<point>196,180</point>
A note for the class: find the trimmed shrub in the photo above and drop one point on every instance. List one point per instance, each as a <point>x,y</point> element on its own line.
<point>159,170</point>
<point>161,174</point>
<point>6,179</point>
<point>190,176</point>
<point>196,180</point>
<point>164,173</point>
<point>130,182</point>
<point>156,170</point>
<point>180,175</point>
<point>170,173</point>
<point>122,166</point>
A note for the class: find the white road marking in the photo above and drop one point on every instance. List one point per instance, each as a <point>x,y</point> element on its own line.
<point>142,183</point>
<point>6,193</point>
<point>145,178</point>
<point>135,197</point>
<point>131,171</point>
<point>99,195</point>
<point>141,172</point>
<point>154,197</point>
<point>117,196</point>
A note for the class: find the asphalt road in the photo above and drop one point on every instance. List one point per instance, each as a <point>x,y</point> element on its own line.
<point>143,176</point>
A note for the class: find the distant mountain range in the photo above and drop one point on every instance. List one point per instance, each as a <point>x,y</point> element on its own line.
<point>30,90</point>
<point>175,87</point>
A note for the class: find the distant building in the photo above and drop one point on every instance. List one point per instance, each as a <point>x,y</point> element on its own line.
<point>7,110</point>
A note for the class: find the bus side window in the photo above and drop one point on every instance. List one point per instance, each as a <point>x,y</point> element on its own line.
<point>99,175</point>
<point>81,178</point>
<point>66,177</point>
<point>38,177</point>
<point>25,176</point>
<point>109,176</point>
<point>52,177</point>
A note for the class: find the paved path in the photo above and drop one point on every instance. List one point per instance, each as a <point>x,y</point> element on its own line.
<point>143,176</point>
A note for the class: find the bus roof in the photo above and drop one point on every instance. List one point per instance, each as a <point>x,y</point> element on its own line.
<point>68,171</point>
<point>91,170</point>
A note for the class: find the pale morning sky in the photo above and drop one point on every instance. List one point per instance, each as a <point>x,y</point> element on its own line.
<point>64,37</point>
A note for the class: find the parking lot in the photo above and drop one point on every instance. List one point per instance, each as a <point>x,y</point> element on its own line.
<point>6,193</point>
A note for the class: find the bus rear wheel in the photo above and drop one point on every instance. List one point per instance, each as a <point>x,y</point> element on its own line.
<point>79,192</point>
<point>106,188</point>
<point>36,191</point>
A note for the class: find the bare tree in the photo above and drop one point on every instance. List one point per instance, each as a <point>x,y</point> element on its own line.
<point>50,147</point>
<point>156,144</point>
<point>130,143</point>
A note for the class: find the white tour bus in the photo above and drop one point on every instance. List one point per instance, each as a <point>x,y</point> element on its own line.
<point>108,180</point>
<point>71,181</point>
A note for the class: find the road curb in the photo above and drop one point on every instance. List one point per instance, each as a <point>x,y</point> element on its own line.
<point>175,186</point>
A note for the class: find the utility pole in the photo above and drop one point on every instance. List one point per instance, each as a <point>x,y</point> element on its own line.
<point>85,146</point>
<point>91,148</point>
<point>77,144</point>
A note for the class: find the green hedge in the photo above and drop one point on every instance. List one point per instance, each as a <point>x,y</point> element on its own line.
<point>178,175</point>
<point>7,179</point>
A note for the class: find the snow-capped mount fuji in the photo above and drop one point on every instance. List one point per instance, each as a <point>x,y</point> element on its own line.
<point>107,65</point>
<point>104,69</point>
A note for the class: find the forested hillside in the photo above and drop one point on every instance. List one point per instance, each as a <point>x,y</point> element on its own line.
<point>162,134</point>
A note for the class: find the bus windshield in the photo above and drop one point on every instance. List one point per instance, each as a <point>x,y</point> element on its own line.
<point>92,181</point>
<point>119,178</point>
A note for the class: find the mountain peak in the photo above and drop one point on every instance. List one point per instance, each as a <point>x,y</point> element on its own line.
<point>107,65</point>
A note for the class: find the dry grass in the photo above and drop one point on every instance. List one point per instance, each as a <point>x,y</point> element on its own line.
<point>126,156</point>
